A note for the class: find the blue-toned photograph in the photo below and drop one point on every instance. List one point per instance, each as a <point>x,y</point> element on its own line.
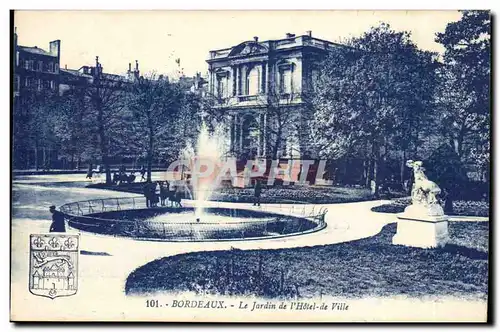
<point>251,166</point>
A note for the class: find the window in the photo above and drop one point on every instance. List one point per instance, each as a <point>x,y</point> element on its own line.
<point>56,68</point>
<point>27,64</point>
<point>17,82</point>
<point>51,67</point>
<point>52,85</point>
<point>286,81</point>
<point>252,86</point>
<point>46,84</point>
<point>40,66</point>
<point>221,86</point>
<point>17,58</point>
<point>26,82</point>
<point>40,86</point>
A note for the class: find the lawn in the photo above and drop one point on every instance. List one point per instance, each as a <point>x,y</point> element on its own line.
<point>363,268</point>
<point>460,207</point>
<point>277,194</point>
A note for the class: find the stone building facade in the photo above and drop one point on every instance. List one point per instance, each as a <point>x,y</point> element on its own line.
<point>85,75</point>
<point>261,88</point>
<point>36,68</point>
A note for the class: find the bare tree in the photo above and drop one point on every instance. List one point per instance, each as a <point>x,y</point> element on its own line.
<point>107,98</point>
<point>162,115</point>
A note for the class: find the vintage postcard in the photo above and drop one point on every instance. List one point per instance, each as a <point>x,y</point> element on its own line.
<point>250,166</point>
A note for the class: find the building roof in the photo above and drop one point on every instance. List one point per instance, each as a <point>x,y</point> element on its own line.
<point>74,72</point>
<point>253,47</point>
<point>35,50</point>
<point>81,73</point>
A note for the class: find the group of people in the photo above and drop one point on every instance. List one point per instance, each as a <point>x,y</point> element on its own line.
<point>159,192</point>
<point>118,177</point>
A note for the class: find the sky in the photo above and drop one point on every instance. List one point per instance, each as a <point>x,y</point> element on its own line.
<point>157,38</point>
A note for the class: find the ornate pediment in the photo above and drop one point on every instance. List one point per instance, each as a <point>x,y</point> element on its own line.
<point>285,65</point>
<point>221,72</point>
<point>248,48</point>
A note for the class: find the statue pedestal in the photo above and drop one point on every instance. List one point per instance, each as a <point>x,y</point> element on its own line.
<point>416,228</point>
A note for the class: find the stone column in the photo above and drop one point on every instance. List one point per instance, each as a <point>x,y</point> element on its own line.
<point>242,78</point>
<point>263,80</point>
<point>261,135</point>
<point>232,134</point>
<point>236,135</point>
<point>241,133</point>
<point>264,147</point>
<point>235,80</point>
<point>210,82</point>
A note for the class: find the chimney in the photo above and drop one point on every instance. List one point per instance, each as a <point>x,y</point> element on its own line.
<point>129,67</point>
<point>309,33</point>
<point>290,35</point>
<point>136,73</point>
<point>55,48</point>
<point>15,38</point>
<point>65,66</point>
<point>256,38</point>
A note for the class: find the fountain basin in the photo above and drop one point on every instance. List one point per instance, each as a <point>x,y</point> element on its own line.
<point>180,224</point>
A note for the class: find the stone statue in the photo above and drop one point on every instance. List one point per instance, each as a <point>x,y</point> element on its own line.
<point>423,223</point>
<point>424,191</point>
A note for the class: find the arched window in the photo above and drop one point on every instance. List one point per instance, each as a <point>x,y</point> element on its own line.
<point>253,81</point>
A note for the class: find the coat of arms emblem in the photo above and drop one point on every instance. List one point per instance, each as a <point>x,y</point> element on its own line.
<point>53,265</point>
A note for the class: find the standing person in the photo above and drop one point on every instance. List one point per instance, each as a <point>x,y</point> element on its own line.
<point>257,192</point>
<point>178,196</point>
<point>147,194</point>
<point>89,172</point>
<point>57,220</point>
<point>143,173</point>
<point>156,192</point>
<point>164,188</point>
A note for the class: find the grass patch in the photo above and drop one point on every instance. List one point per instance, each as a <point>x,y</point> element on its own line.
<point>367,267</point>
<point>277,194</point>
<point>460,207</point>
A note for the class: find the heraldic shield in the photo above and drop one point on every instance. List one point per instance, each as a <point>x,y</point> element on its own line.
<point>53,265</point>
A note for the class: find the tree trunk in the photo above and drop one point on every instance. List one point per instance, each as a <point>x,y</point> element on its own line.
<point>36,157</point>
<point>104,152</point>
<point>150,151</point>
<point>277,144</point>
<point>102,136</point>
<point>402,170</point>
<point>368,172</point>
<point>28,153</point>
<point>149,166</point>
<point>376,165</point>
<point>448,203</point>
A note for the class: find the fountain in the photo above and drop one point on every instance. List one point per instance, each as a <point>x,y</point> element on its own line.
<point>129,217</point>
<point>204,162</point>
